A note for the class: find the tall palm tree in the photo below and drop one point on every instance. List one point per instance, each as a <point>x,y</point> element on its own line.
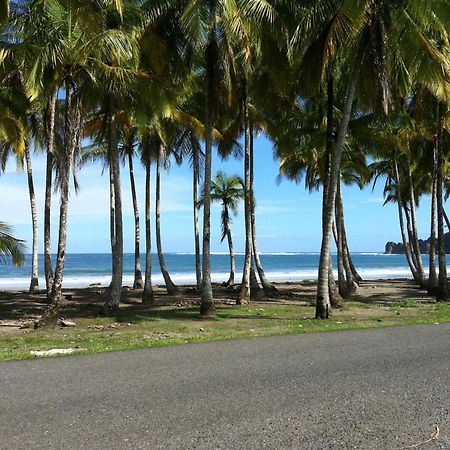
<point>212,26</point>
<point>228,189</point>
<point>172,289</point>
<point>371,26</point>
<point>34,283</point>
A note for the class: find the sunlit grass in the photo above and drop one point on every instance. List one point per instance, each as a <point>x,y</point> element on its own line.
<point>175,325</point>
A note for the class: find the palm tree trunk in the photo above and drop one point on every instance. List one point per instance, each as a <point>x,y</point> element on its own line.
<point>447,221</point>
<point>268,288</point>
<point>34,283</point>
<point>71,128</point>
<point>245,292</point>
<point>207,307</point>
<point>48,193</point>
<point>432,277</point>
<point>342,282</point>
<point>335,297</point>
<point>138,283</point>
<point>323,298</point>
<point>170,286</point>
<point>443,293</point>
<point>196,168</point>
<point>255,289</point>
<point>356,276</point>
<point>350,284</point>
<point>416,244</point>
<point>147,294</point>
<point>115,291</point>
<point>408,253</point>
<point>411,237</point>
<point>232,258</point>
<point>333,292</point>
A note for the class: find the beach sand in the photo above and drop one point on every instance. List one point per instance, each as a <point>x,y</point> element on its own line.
<point>18,306</point>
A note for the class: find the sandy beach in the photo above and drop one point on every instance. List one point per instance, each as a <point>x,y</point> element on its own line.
<point>18,305</point>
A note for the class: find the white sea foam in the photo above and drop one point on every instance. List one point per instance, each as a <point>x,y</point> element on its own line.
<point>216,277</point>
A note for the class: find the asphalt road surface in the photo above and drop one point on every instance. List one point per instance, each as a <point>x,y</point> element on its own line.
<point>366,389</point>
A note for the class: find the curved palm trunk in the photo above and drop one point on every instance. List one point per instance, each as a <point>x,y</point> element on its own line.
<point>196,168</point>
<point>34,283</point>
<point>443,293</point>
<point>447,221</point>
<point>356,276</point>
<point>170,286</point>
<point>416,244</point>
<point>245,292</point>
<point>342,283</point>
<point>432,277</point>
<point>147,294</point>
<point>138,283</point>
<point>232,258</point>
<point>115,289</point>
<point>48,193</point>
<point>71,130</point>
<point>268,288</point>
<point>411,237</point>
<point>323,298</point>
<point>349,281</point>
<point>408,253</point>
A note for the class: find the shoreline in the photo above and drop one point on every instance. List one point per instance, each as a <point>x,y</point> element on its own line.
<point>382,289</point>
<point>82,282</point>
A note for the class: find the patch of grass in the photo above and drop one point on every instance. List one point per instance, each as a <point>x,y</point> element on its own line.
<point>168,325</point>
<point>408,303</point>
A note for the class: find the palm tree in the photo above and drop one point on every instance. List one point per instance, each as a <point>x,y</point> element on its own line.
<point>170,285</point>
<point>11,246</point>
<point>34,283</point>
<point>212,26</point>
<point>371,23</point>
<point>228,189</point>
<point>129,148</point>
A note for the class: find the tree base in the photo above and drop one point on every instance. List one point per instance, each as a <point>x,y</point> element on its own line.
<point>49,319</point>
<point>322,310</point>
<point>148,298</point>
<point>207,311</point>
<point>109,310</point>
<point>34,285</point>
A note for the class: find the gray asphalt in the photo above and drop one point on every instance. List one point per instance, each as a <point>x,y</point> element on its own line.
<point>366,389</point>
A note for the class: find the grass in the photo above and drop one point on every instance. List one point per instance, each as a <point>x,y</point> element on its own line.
<point>166,325</point>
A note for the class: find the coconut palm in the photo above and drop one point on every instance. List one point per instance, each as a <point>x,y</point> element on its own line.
<point>212,26</point>
<point>370,24</point>
<point>10,246</point>
<point>228,189</point>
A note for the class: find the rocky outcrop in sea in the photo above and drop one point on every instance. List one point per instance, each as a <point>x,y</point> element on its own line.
<point>397,248</point>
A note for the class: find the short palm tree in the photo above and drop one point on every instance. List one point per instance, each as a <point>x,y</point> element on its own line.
<point>229,190</point>
<point>10,246</point>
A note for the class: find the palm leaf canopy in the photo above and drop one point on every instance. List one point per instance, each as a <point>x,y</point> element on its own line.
<point>10,247</point>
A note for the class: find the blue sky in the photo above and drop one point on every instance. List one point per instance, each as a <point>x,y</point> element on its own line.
<point>288,217</point>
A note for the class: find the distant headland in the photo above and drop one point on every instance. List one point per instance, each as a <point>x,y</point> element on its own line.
<point>397,248</point>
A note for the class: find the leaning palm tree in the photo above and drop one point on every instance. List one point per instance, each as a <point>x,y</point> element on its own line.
<point>10,247</point>
<point>228,189</point>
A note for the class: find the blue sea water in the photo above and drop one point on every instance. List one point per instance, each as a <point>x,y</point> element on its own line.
<point>84,269</point>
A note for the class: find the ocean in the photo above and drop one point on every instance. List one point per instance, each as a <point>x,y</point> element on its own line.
<point>81,270</point>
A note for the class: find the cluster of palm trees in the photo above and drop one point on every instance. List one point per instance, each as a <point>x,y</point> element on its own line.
<point>330,83</point>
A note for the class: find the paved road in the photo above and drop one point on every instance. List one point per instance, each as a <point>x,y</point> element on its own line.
<point>380,389</point>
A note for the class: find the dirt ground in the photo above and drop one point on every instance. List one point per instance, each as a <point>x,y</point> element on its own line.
<point>18,307</point>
